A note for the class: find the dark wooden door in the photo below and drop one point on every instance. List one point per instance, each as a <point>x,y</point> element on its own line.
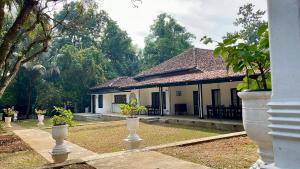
<point>196,102</point>
<point>216,97</point>
<point>156,99</point>
<point>93,104</point>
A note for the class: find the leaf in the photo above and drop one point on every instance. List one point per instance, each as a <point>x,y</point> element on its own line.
<point>262,29</point>
<point>217,51</point>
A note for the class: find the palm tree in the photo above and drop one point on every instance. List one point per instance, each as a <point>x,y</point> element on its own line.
<point>33,72</point>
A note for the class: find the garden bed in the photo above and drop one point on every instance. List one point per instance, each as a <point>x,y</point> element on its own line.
<point>232,153</point>
<point>14,153</point>
<point>109,136</point>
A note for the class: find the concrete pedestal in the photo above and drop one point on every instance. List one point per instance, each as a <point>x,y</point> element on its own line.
<point>133,144</point>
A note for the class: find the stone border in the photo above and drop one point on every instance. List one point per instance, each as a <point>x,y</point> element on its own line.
<point>195,141</point>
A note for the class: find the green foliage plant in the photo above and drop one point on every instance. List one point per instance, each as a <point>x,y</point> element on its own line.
<point>40,112</point>
<point>132,109</point>
<point>251,58</point>
<point>10,112</point>
<point>64,117</point>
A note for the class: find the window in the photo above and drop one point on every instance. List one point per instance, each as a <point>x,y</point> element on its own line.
<point>216,97</point>
<point>235,100</point>
<point>100,101</point>
<point>178,93</point>
<point>120,99</point>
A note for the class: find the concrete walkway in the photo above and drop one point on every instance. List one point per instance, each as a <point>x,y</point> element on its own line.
<point>42,142</point>
<point>144,160</point>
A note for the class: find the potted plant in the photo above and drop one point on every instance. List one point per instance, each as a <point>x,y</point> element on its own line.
<point>254,60</point>
<point>9,113</point>
<point>60,124</point>
<point>131,110</point>
<point>41,116</point>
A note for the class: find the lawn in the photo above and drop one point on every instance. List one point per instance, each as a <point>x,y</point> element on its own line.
<point>232,153</point>
<point>109,136</point>
<point>32,123</point>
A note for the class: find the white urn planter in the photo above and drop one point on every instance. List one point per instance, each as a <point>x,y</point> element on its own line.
<point>41,118</point>
<point>8,122</point>
<point>59,152</point>
<point>255,121</point>
<point>133,138</point>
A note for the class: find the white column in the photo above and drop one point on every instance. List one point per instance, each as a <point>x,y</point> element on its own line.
<point>284,25</point>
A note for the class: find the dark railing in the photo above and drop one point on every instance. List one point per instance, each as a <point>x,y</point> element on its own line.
<point>152,110</point>
<point>222,112</point>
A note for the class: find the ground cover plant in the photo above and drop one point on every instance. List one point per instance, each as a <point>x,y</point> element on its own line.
<point>109,136</point>
<point>232,153</point>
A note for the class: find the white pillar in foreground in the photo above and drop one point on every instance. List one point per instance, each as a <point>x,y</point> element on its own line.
<point>284,25</point>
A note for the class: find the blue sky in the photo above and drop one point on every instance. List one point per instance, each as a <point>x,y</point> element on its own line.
<point>200,17</point>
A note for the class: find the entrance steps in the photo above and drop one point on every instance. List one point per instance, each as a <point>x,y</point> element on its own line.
<point>88,117</point>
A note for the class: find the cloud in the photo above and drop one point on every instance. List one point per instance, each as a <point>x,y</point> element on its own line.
<point>200,17</point>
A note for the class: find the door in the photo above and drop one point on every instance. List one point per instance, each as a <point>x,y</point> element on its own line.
<point>93,104</point>
<point>196,103</point>
<point>216,97</point>
<point>156,99</point>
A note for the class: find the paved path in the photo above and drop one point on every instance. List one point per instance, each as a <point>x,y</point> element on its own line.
<point>42,142</point>
<point>144,160</point>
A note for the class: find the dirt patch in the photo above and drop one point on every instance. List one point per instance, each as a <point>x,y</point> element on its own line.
<point>72,166</point>
<point>11,144</point>
<point>78,166</point>
<point>232,153</point>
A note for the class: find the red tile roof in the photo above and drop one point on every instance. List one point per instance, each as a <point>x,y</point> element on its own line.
<point>204,65</point>
<point>115,83</point>
<point>194,58</point>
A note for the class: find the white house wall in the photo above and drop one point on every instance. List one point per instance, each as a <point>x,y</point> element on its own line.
<point>144,97</point>
<point>146,94</point>
<point>187,95</point>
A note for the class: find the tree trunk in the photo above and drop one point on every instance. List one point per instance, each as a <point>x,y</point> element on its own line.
<point>28,111</point>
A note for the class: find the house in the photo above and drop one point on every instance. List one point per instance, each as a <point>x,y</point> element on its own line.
<point>194,83</point>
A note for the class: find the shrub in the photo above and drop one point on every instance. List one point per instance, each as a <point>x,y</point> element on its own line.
<point>64,117</point>
<point>10,112</point>
<point>132,108</point>
<point>40,112</point>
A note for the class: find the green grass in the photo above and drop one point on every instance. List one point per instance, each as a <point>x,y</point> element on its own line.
<point>32,123</point>
<point>109,136</point>
<point>231,153</point>
<point>21,159</point>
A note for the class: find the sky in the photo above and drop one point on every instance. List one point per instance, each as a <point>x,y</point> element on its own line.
<point>213,18</point>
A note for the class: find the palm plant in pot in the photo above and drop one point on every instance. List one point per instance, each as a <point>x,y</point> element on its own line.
<point>131,110</point>
<point>254,59</point>
<point>41,116</point>
<point>60,123</point>
<point>9,113</point>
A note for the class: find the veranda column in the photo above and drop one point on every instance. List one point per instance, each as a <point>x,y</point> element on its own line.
<point>200,105</point>
<point>284,24</point>
<point>161,106</point>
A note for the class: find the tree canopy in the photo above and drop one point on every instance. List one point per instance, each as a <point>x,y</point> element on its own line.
<point>167,39</point>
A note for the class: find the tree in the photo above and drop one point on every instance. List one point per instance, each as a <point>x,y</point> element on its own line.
<point>117,47</point>
<point>33,73</point>
<point>83,28</point>
<point>26,28</point>
<point>249,21</point>
<point>79,69</point>
<point>167,39</point>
